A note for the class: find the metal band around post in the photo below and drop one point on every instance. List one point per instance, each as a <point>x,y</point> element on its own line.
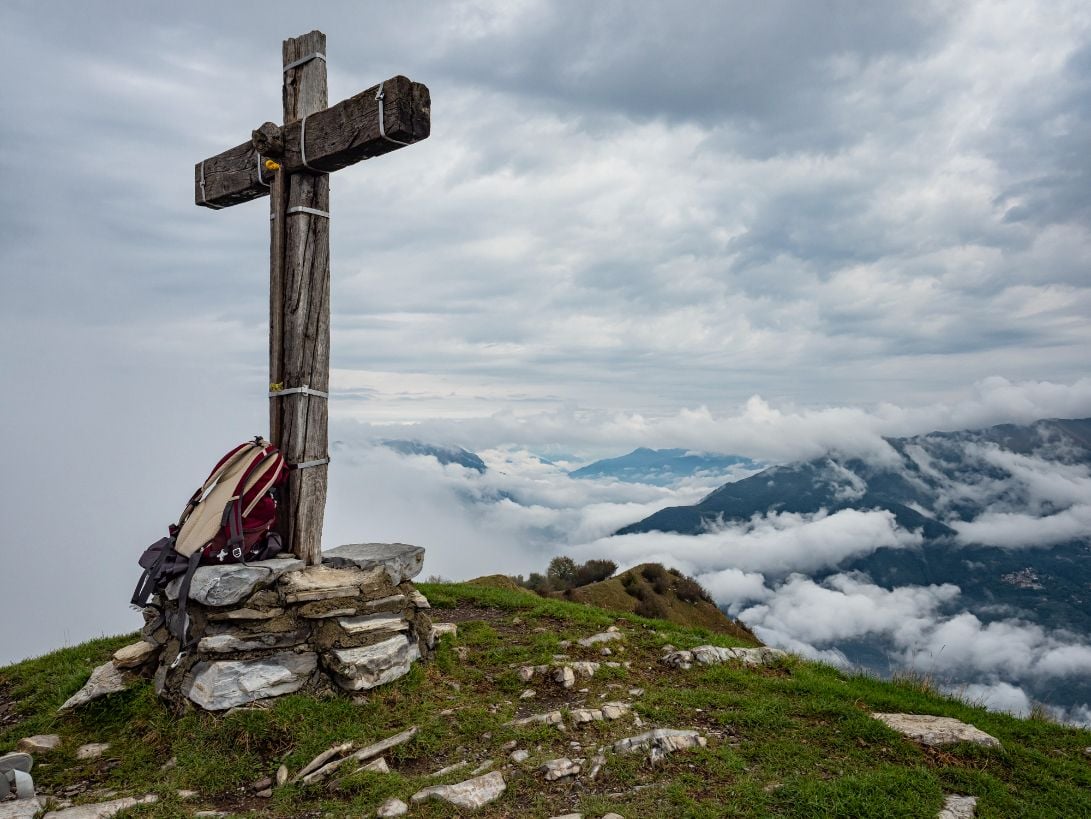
<point>304,209</point>
<point>382,119</point>
<point>204,196</point>
<point>304,390</point>
<point>309,464</point>
<point>315,55</point>
<point>303,146</point>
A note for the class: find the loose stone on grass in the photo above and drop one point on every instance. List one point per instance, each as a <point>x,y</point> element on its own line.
<point>660,742</point>
<point>549,718</point>
<point>556,769</point>
<point>603,637</point>
<point>958,807</point>
<point>106,679</point>
<point>935,731</point>
<point>392,807</point>
<point>520,756</point>
<point>92,750</point>
<point>715,655</point>
<point>38,744</point>
<point>471,794</point>
<point>135,655</point>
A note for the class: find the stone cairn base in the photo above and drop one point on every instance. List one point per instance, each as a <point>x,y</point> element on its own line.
<point>277,626</point>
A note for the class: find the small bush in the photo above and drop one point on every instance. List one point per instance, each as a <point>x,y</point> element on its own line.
<point>661,584</point>
<point>593,571</point>
<point>652,571</point>
<point>652,607</point>
<point>690,590</point>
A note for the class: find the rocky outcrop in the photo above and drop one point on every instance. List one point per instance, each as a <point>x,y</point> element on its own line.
<point>714,655</point>
<point>274,627</point>
<point>958,807</point>
<point>935,731</point>
<point>660,742</point>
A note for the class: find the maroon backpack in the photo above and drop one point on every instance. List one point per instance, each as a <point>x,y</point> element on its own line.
<point>229,519</point>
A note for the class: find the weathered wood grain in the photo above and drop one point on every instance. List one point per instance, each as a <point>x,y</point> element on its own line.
<point>305,317</point>
<point>336,138</point>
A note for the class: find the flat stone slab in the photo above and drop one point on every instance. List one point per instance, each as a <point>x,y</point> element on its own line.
<point>327,583</point>
<point>358,669</point>
<point>135,655</point>
<point>227,643</point>
<point>106,679</point>
<point>400,561</point>
<point>366,623</point>
<point>226,585</point>
<point>603,637</point>
<point>470,795</point>
<point>102,810</point>
<point>929,730</point>
<point>92,750</point>
<point>216,686</point>
<point>21,808</point>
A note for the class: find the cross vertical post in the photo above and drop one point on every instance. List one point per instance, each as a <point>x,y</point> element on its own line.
<point>299,421</point>
<point>314,141</point>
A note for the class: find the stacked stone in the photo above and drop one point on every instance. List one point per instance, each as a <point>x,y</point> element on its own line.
<point>277,626</point>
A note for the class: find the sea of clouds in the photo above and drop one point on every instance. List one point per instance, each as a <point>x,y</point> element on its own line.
<point>523,511</point>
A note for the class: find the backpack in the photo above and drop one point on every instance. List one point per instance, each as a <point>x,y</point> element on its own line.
<point>229,519</point>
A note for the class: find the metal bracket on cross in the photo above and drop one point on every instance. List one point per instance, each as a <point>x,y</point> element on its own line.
<point>276,391</point>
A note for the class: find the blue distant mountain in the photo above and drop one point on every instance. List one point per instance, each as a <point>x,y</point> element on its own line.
<point>443,454</point>
<point>661,467</point>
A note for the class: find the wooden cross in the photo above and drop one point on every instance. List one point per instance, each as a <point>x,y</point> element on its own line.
<point>290,164</point>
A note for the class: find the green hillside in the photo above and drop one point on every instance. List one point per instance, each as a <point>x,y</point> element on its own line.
<point>787,739</point>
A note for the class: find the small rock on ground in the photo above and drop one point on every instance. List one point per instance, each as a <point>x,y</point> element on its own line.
<point>38,744</point>
<point>556,769</point>
<point>471,794</point>
<point>958,807</point>
<point>135,655</point>
<point>930,730</point>
<point>392,807</point>
<point>92,750</point>
<point>520,756</point>
<point>21,808</point>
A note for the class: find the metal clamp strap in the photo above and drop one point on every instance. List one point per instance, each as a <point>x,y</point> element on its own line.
<point>304,390</point>
<point>303,145</point>
<point>204,198</point>
<point>313,211</point>
<point>309,464</point>
<point>382,124</point>
<point>315,55</point>
<point>262,181</point>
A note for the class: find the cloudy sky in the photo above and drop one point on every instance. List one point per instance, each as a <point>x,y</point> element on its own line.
<point>769,229</point>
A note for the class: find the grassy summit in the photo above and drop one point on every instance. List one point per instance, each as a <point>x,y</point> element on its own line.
<point>794,739</point>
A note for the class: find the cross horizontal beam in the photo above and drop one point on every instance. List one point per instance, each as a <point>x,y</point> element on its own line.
<point>336,137</point>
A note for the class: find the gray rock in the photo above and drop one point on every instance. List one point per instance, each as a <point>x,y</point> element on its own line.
<point>715,655</point>
<point>568,816</point>
<point>102,810</point>
<point>471,794</point>
<point>616,710</point>
<point>484,766</point>
<point>603,637</point>
<point>556,769</point>
<point>520,756</point>
<point>373,622</point>
<point>443,629</point>
<point>392,807</point>
<point>582,715</point>
<point>225,585</point>
<point>222,684</point>
<point>135,655</point>
<point>612,816</point>
<point>226,643</point>
<point>106,679</point>
<point>92,750</point>
<point>526,673</point>
<point>419,600</point>
<point>358,669</point>
<point>564,676</point>
<point>449,769</point>
<point>38,744</point>
<point>597,761</point>
<point>528,694</point>
<point>958,807</point>
<point>585,668</point>
<point>375,766</point>
<point>660,742</point>
<point>549,718</point>
<point>400,561</point>
<point>21,808</point>
<point>934,731</point>
<point>394,601</point>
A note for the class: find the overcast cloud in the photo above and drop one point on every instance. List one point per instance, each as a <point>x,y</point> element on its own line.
<point>774,230</point>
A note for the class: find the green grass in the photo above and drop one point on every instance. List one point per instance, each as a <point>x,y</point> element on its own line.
<point>794,740</point>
